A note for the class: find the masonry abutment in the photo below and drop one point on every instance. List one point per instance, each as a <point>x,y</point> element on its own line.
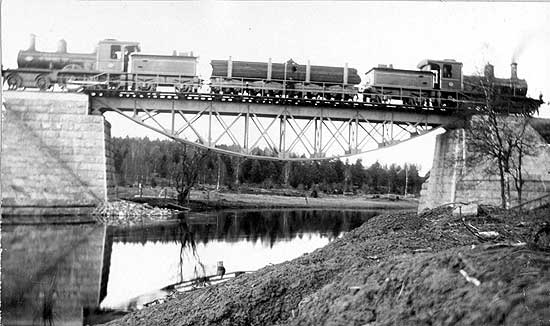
<point>454,178</point>
<point>56,157</point>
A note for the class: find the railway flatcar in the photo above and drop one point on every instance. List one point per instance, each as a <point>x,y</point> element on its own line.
<point>287,79</point>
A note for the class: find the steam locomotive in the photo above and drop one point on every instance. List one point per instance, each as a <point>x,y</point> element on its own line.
<point>439,83</point>
<point>119,65</point>
<point>114,64</point>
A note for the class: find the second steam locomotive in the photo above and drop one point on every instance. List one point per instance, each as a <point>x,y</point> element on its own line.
<point>120,66</point>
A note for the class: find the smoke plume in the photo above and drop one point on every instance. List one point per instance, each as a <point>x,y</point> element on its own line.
<point>528,39</point>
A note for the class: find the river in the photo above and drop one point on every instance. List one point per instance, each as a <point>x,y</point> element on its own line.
<point>71,274</point>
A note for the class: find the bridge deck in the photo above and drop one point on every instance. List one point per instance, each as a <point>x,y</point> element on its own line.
<point>271,106</point>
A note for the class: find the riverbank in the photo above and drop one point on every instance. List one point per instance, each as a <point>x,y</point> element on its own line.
<point>396,269</point>
<point>207,199</point>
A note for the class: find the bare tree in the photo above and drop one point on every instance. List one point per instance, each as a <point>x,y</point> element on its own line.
<point>523,146</point>
<point>497,138</point>
<point>187,171</point>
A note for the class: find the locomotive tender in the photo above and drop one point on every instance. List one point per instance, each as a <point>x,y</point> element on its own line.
<point>119,65</point>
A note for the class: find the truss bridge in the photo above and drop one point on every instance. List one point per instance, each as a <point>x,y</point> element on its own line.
<point>286,128</point>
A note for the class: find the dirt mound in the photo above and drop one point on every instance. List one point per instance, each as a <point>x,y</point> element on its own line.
<point>462,286</point>
<point>395,269</point>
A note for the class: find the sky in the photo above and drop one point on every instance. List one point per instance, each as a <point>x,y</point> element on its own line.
<point>360,33</point>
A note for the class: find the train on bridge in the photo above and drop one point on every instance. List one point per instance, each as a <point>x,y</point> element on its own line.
<point>120,66</point>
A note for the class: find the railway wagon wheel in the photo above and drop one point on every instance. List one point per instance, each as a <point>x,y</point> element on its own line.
<point>43,82</point>
<point>182,89</point>
<point>14,81</point>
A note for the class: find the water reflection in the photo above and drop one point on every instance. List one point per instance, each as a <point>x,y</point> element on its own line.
<point>269,226</point>
<point>62,274</point>
<point>147,258</point>
<point>50,273</point>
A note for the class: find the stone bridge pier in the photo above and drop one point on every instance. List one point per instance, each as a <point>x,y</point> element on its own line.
<point>56,158</point>
<point>454,178</point>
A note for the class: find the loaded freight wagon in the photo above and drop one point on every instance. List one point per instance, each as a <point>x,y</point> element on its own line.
<point>261,70</point>
<point>284,79</point>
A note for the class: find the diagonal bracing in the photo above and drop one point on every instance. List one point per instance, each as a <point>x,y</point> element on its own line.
<point>319,133</point>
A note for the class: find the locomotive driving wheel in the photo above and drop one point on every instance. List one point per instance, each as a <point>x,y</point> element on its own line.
<point>43,83</point>
<point>14,81</point>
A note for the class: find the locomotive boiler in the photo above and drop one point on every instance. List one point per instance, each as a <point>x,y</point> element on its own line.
<point>512,86</point>
<point>60,59</point>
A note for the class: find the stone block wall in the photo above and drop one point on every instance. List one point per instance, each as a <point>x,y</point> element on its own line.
<point>453,178</point>
<point>56,158</point>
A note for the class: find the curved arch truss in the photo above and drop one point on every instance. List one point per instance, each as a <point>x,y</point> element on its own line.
<point>285,132</point>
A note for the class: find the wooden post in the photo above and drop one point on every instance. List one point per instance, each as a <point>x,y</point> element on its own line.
<point>308,72</point>
<point>269,69</point>
<point>229,68</point>
<point>346,74</point>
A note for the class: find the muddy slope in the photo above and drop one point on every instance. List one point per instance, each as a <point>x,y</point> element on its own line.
<point>395,269</point>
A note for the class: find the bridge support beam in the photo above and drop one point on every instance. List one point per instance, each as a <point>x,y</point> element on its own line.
<point>56,158</point>
<point>455,178</point>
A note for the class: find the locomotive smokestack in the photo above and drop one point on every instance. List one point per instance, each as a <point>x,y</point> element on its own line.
<point>32,43</point>
<point>489,71</point>
<point>514,70</point>
<point>62,46</point>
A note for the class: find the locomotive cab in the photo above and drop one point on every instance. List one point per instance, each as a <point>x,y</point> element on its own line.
<point>447,73</point>
<point>113,56</point>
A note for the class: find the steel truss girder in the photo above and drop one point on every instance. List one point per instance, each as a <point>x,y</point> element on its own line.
<point>319,132</point>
